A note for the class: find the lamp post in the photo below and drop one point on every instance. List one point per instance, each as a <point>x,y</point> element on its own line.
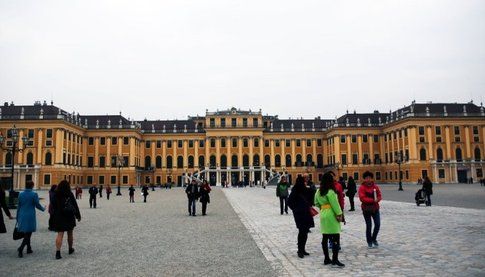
<point>120,162</point>
<point>12,149</point>
<point>399,160</point>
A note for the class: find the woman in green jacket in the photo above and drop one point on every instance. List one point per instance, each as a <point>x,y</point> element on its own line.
<point>330,217</point>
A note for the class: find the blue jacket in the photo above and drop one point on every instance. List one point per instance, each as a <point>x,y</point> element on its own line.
<point>28,201</point>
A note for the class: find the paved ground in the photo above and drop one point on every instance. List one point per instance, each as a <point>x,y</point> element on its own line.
<point>454,195</point>
<point>157,238</point>
<point>415,241</point>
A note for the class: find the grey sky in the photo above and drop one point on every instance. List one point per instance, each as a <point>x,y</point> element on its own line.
<point>169,59</point>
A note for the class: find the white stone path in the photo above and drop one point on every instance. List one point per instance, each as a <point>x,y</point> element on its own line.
<point>414,241</point>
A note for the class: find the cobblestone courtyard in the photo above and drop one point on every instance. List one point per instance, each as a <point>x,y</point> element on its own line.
<point>244,235</point>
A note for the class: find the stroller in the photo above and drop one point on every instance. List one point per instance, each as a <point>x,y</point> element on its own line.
<point>420,197</point>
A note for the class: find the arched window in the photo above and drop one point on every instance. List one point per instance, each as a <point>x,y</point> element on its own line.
<point>148,161</point>
<point>191,161</point>
<point>288,160</point>
<point>158,162</point>
<point>212,161</point>
<point>459,157</point>
<point>309,160</point>
<point>169,162</point>
<point>422,154</point>
<point>320,161</point>
<point>30,158</point>
<point>201,161</point>
<point>48,158</point>
<point>180,162</point>
<point>267,161</point>
<point>478,154</point>
<point>223,161</point>
<point>277,161</point>
<point>245,160</point>
<point>256,161</point>
<point>299,162</point>
<point>8,159</point>
<point>234,160</point>
<point>439,154</point>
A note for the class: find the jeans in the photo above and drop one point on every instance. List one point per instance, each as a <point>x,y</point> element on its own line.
<point>372,235</point>
<point>283,201</point>
<point>192,206</point>
<point>428,199</point>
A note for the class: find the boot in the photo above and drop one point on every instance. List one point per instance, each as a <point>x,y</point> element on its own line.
<point>29,250</point>
<point>20,250</point>
<point>335,261</point>
<point>71,250</point>
<point>327,260</point>
<point>58,255</point>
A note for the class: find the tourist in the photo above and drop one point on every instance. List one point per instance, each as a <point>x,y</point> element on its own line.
<point>50,208</point>
<point>339,190</point>
<point>428,190</point>
<point>100,191</point>
<point>93,191</point>
<point>300,202</point>
<point>204,196</point>
<point>79,192</point>
<point>65,213</point>
<point>132,194</point>
<point>108,191</point>
<point>26,219</point>
<point>282,194</point>
<point>326,199</point>
<point>351,191</point>
<point>192,192</point>
<point>3,205</point>
<point>309,183</point>
<point>144,192</point>
<point>370,196</point>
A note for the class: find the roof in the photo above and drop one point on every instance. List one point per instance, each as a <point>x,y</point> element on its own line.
<point>169,126</point>
<point>299,125</point>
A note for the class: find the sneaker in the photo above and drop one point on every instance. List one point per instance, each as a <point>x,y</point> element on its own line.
<point>337,264</point>
<point>375,243</point>
<point>370,245</point>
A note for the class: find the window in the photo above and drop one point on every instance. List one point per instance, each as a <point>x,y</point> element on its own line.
<point>125,179</point>
<point>212,122</point>
<point>354,138</point>
<point>277,160</point>
<point>114,140</point>
<point>159,144</point>
<point>438,130</point>
<point>126,140</point>
<point>344,159</point>
<point>114,160</point>
<point>266,143</point>
<point>102,161</point>
<point>201,143</point>
<point>233,122</point>
<point>90,180</point>
<point>356,176</point>
<point>256,142</point>
<point>364,138</point>
<point>479,173</point>
<point>309,143</point>
<point>478,154</point>
<point>439,155</point>
<point>457,130</point>
<point>169,144</point>
<point>298,143</point>
<point>245,122</point>
<point>457,139</point>
<point>101,179</point>
<point>376,138</point>
<point>422,154</point>
<point>102,140</point>
<point>438,139</point>
<point>458,155</point>
<point>191,162</point>
<point>277,142</point>
<point>147,144</point>
<point>169,162</point>
<point>191,144</point>
<point>48,158</point>
<point>378,175</point>
<point>223,122</point>
<point>223,142</point>
<point>113,179</point>
<point>90,140</point>
<point>90,161</point>
<point>180,143</point>
<point>319,142</point>
<point>245,142</point>
<point>441,173</point>
<point>48,143</point>
<point>421,130</point>
<point>49,133</point>
<point>342,139</point>
<point>47,179</point>
<point>234,142</point>
<point>158,162</point>
<point>255,122</point>
<point>180,162</point>
<point>355,158</point>
<point>288,143</point>
<point>475,130</point>
<point>31,133</point>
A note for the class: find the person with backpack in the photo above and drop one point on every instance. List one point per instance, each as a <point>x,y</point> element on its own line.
<point>351,191</point>
<point>370,196</point>
<point>65,213</point>
<point>93,191</point>
<point>282,194</point>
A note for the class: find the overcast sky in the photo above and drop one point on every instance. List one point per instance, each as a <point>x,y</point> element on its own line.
<point>169,59</point>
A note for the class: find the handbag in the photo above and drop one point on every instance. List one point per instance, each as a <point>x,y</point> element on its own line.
<point>313,211</point>
<point>16,234</point>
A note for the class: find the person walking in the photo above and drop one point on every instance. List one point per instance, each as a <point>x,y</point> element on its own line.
<point>50,208</point>
<point>65,213</point>
<point>428,190</point>
<point>326,199</point>
<point>132,194</point>
<point>351,191</point>
<point>100,191</point>
<point>300,202</point>
<point>93,191</point>
<point>3,205</point>
<point>370,196</point>
<point>79,192</point>
<point>144,191</point>
<point>108,191</point>
<point>282,194</point>
<point>26,219</point>
<point>192,192</point>
<point>204,196</point>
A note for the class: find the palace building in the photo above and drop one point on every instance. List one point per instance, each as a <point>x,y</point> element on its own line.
<point>443,141</point>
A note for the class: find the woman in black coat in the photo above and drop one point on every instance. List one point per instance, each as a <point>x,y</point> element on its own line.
<point>65,213</point>
<point>428,190</point>
<point>5,208</point>
<point>351,191</point>
<point>300,202</point>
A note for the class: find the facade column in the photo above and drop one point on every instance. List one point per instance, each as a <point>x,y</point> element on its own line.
<point>314,146</point>
<point>430,143</point>
<point>20,155</point>
<point>154,158</point>
<point>283,153</point>
<point>39,145</point>
<point>108,152</point>
<point>336,149</point>
<point>293,152</point>
<point>448,143</point>
<point>271,157</point>
<point>84,162</point>
<point>229,155</point>
<point>467,143</point>
<point>185,146</point>
<point>261,154</point>
<point>239,160</point>
<point>412,144</point>
<point>370,139</point>
<point>142,153</point>
<point>174,153</point>
<point>207,147</point>
<point>196,153</point>
<point>164,154</point>
<point>218,151</point>
<point>132,152</point>
<point>120,146</point>
<point>96,152</point>
<point>348,141</point>
<point>251,153</point>
<point>303,151</point>
<point>359,147</point>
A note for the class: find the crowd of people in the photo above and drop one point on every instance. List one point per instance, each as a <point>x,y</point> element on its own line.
<point>329,199</point>
<point>196,192</point>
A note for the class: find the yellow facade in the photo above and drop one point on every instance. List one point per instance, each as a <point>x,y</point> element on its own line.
<point>233,145</point>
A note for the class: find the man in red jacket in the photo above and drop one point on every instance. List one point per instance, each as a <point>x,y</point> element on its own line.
<point>370,196</point>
